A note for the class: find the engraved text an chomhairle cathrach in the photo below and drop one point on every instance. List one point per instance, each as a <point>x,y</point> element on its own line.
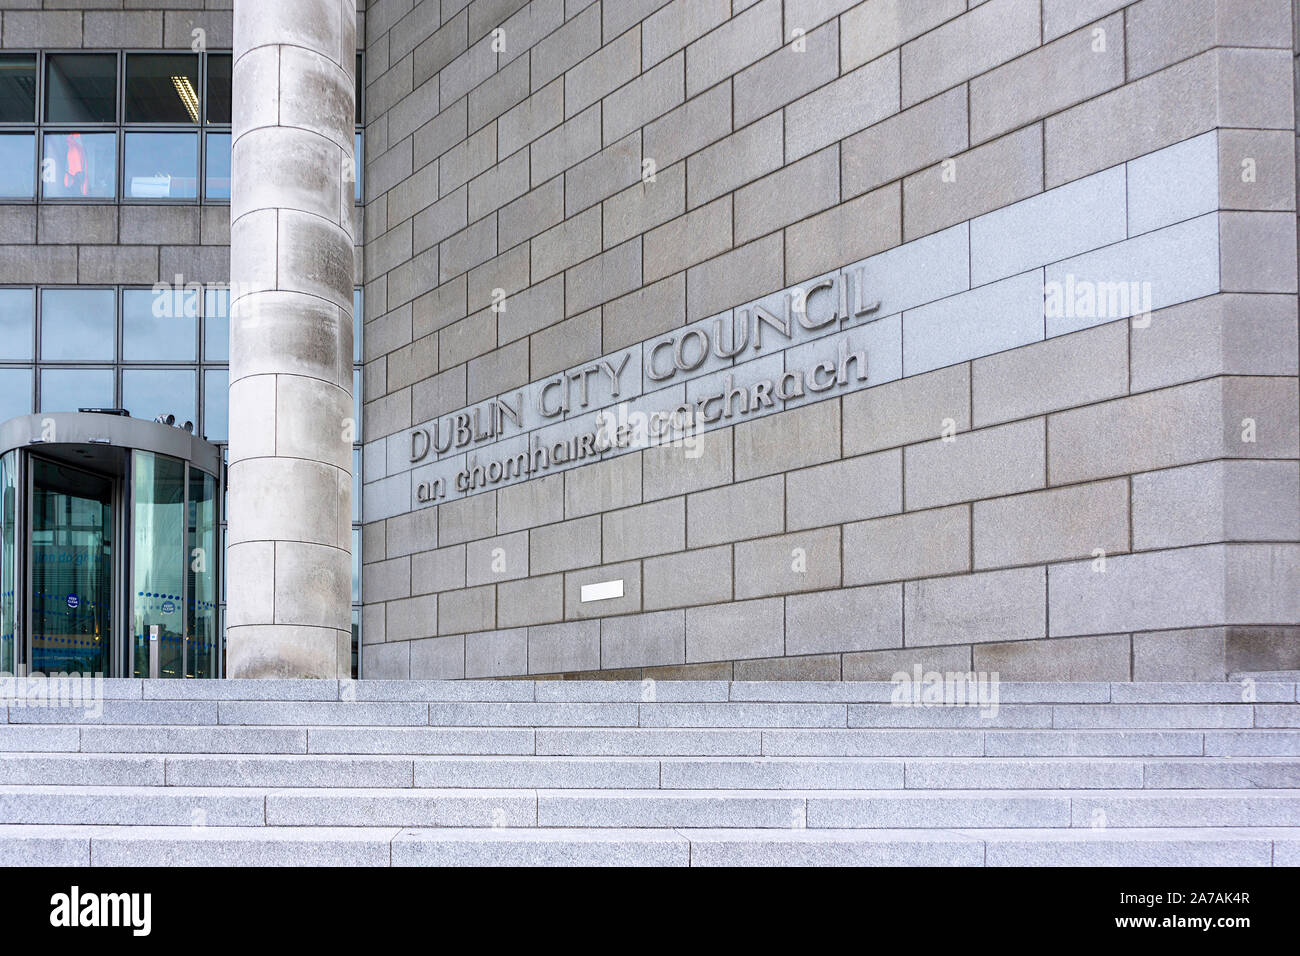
<point>802,311</point>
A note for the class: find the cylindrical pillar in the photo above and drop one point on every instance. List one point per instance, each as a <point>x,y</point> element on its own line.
<point>288,586</point>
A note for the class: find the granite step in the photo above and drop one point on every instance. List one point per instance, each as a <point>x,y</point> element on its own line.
<point>650,808</point>
<point>1173,847</point>
<point>696,714</point>
<point>1269,687</point>
<point>392,846</point>
<point>171,846</point>
<point>657,773</point>
<point>649,741</point>
<point>642,771</point>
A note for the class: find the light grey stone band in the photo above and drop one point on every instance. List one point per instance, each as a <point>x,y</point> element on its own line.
<point>1119,243</point>
<point>291,271</point>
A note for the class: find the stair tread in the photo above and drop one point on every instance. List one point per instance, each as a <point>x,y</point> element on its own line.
<point>725,759</point>
<point>690,793</point>
<point>484,834</point>
<point>652,773</point>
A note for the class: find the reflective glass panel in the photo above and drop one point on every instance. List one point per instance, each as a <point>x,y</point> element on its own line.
<point>68,389</point>
<point>158,564</point>
<point>161,165</point>
<point>159,326</point>
<point>81,88</point>
<point>15,392</point>
<point>216,325</point>
<point>356,484</point>
<point>162,88</point>
<point>216,404</point>
<point>150,392</point>
<point>356,565</point>
<point>17,165</point>
<point>79,166</point>
<point>356,643</point>
<point>18,88</point>
<point>216,181</point>
<point>72,570</point>
<point>356,404</point>
<point>202,646</point>
<point>17,319</point>
<point>358,323</point>
<point>8,542</point>
<point>360,76</point>
<point>78,324</point>
<point>219,88</point>
<point>358,156</point>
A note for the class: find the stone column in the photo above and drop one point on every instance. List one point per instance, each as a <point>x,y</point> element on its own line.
<point>291,267</point>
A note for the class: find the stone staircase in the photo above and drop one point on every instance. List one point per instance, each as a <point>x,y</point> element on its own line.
<point>674,773</point>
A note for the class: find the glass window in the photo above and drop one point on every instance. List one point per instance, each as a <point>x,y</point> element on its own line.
<point>358,155</point>
<point>360,77</point>
<point>17,319</point>
<point>78,324</point>
<point>162,88</point>
<point>161,165</point>
<point>356,643</point>
<point>18,88</point>
<point>79,166</point>
<point>358,323</point>
<point>219,88</point>
<point>216,404</point>
<point>18,166</point>
<point>15,392</point>
<point>81,88</point>
<point>216,183</point>
<point>216,325</point>
<point>356,404</point>
<point>356,565</point>
<point>151,392</point>
<point>68,389</point>
<point>356,484</point>
<point>159,326</point>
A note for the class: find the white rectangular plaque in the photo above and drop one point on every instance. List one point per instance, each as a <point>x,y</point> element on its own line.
<point>602,591</point>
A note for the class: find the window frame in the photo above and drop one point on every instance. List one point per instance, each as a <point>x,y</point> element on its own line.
<point>36,107</point>
<point>42,93</point>
<point>120,127</point>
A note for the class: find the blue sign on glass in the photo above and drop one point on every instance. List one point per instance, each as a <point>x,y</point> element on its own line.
<point>73,600</point>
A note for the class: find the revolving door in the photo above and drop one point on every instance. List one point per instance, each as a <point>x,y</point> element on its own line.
<point>109,560</point>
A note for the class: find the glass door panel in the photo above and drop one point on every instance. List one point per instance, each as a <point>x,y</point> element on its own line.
<point>8,561</point>
<point>158,564</point>
<point>202,557</point>
<point>72,569</point>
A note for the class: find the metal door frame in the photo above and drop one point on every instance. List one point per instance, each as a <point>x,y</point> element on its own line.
<point>26,524</point>
<point>24,434</point>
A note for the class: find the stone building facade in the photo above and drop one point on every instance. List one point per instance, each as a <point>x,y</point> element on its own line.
<point>797,338</point>
<point>1040,474</point>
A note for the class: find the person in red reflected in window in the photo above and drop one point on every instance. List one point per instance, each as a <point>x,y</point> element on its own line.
<point>74,172</point>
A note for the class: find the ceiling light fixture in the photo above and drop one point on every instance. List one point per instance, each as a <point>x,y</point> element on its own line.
<point>185,90</point>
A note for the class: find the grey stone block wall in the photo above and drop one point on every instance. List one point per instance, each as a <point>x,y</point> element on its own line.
<point>1041,495</point>
<point>111,244</point>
